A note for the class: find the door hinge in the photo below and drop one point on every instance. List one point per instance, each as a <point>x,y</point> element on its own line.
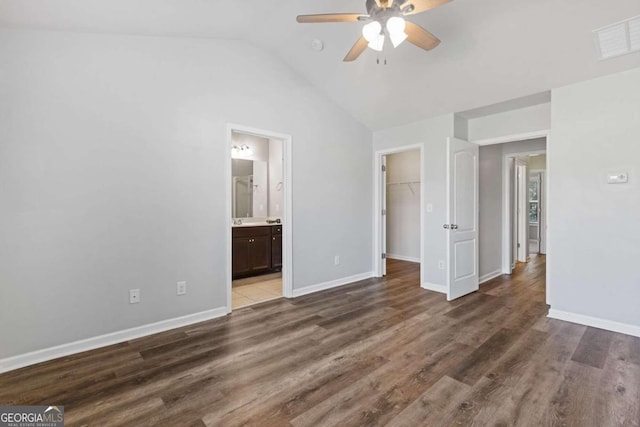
<point>518,244</point>
<point>384,212</point>
<point>384,256</point>
<point>384,168</point>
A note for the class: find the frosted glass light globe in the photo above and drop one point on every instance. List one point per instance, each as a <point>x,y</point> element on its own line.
<point>371,31</point>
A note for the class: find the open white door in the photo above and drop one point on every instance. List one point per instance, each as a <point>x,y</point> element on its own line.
<point>462,216</point>
<point>383,203</point>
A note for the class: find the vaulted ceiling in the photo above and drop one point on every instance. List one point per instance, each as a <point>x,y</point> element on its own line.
<point>491,51</point>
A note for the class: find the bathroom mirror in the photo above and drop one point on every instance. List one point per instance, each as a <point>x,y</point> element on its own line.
<point>249,188</point>
<point>256,171</point>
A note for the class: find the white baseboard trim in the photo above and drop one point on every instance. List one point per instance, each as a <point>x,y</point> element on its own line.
<point>331,284</point>
<point>596,322</point>
<point>403,258</point>
<point>22,360</point>
<point>489,276</point>
<point>434,287</point>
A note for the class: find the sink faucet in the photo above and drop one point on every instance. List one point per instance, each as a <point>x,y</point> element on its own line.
<point>237,221</point>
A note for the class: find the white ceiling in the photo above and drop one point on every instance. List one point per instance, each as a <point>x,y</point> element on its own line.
<point>491,51</point>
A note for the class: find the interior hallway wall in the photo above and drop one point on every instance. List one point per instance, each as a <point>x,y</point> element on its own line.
<point>403,205</point>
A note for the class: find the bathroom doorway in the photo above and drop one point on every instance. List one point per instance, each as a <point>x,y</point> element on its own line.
<point>259,202</point>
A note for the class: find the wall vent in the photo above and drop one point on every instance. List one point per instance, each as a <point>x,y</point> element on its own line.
<point>618,39</point>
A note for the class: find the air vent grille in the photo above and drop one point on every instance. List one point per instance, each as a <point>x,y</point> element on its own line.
<point>634,33</point>
<point>618,39</point>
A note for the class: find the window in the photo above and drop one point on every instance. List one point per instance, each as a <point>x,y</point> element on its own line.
<point>534,201</point>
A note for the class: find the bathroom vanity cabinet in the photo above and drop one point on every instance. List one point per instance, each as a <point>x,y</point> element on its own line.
<point>256,250</point>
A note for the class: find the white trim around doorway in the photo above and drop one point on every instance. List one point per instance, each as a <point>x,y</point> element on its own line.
<point>506,264</point>
<point>507,221</point>
<point>287,243</point>
<point>377,206</point>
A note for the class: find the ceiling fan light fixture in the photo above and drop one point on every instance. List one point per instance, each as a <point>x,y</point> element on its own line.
<point>385,18</point>
<point>397,39</point>
<point>395,28</point>
<point>371,31</point>
<point>377,43</point>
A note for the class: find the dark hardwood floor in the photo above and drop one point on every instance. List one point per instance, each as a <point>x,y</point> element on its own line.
<point>376,352</point>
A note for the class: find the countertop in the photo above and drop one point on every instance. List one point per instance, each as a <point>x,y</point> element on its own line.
<point>254,224</point>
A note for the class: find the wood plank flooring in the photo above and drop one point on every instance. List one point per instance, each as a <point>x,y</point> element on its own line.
<point>376,352</point>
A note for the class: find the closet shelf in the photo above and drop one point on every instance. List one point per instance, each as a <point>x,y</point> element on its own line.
<point>403,182</point>
<point>407,183</point>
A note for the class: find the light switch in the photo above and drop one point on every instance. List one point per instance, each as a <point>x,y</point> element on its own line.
<point>617,178</point>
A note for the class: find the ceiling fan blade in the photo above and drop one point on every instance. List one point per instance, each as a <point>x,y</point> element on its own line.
<point>330,17</point>
<point>421,5</point>
<point>356,50</point>
<point>420,37</point>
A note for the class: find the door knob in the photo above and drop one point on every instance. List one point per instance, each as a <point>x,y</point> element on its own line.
<point>454,226</point>
<point>446,226</point>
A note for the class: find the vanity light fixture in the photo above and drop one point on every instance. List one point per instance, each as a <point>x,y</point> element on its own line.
<point>240,151</point>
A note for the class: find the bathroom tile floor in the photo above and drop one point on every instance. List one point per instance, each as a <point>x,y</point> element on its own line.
<point>253,290</point>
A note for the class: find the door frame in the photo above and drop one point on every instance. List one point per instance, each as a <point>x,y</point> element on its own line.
<point>506,217</point>
<point>287,232</point>
<point>520,212</point>
<point>377,206</point>
<point>507,221</point>
<point>506,267</point>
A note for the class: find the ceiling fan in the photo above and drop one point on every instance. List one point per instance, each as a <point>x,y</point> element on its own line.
<point>384,17</point>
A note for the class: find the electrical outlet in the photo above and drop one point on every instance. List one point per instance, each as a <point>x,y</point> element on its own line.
<point>134,296</point>
<point>441,265</point>
<point>336,260</point>
<point>181,288</point>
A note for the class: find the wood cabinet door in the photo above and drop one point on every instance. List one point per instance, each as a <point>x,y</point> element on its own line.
<point>276,251</point>
<point>260,253</point>
<point>240,261</point>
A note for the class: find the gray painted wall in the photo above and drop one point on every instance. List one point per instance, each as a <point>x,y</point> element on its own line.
<point>595,130</point>
<point>432,133</point>
<point>490,189</point>
<point>112,177</point>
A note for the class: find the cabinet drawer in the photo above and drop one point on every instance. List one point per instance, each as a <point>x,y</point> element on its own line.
<point>251,231</point>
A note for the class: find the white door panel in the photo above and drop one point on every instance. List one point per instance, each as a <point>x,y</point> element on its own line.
<point>463,210</point>
<point>462,227</point>
<point>464,254</point>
